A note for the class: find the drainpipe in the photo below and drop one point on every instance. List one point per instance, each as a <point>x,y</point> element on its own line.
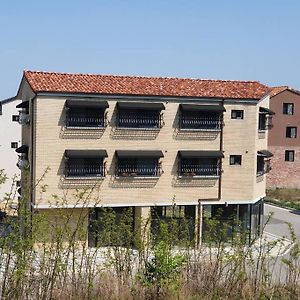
<point>221,149</point>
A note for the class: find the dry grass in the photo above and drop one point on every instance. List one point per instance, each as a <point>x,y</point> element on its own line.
<point>284,197</point>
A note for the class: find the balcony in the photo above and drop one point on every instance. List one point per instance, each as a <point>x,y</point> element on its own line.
<point>200,123</point>
<point>263,162</point>
<point>200,117</point>
<point>138,164</point>
<point>199,170</point>
<point>86,114</point>
<point>93,121</point>
<point>84,164</point>
<point>82,170</point>
<point>140,115</point>
<point>199,164</point>
<point>24,118</point>
<point>23,163</point>
<point>265,119</point>
<point>140,120</point>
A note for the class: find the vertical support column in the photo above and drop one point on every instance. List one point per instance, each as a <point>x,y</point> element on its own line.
<point>142,221</point>
<point>199,219</point>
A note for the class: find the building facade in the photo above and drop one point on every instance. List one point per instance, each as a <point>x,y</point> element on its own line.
<point>146,143</point>
<point>10,139</point>
<point>284,140</point>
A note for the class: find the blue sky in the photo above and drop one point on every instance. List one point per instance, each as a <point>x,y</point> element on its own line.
<point>247,40</point>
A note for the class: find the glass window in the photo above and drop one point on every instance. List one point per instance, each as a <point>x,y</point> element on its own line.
<point>14,145</point>
<point>288,108</point>
<point>237,114</point>
<point>289,155</point>
<point>235,159</point>
<point>291,132</point>
<point>15,118</point>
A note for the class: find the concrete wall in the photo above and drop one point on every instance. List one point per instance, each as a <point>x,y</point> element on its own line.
<point>10,132</point>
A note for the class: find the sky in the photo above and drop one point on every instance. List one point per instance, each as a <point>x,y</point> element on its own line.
<point>212,39</point>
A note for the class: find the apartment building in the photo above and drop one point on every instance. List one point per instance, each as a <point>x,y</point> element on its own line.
<point>283,140</point>
<point>10,139</point>
<point>157,145</point>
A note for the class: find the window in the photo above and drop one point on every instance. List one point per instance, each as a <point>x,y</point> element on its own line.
<point>235,159</point>
<point>85,117</point>
<point>139,115</point>
<point>200,117</point>
<point>199,167</point>
<point>263,162</point>
<point>288,108</point>
<point>291,132</point>
<point>14,145</point>
<point>15,118</point>
<point>84,163</point>
<point>136,118</point>
<point>138,166</point>
<point>237,114</point>
<point>289,155</point>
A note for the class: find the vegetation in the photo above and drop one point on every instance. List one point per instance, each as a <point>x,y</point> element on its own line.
<point>289,198</point>
<point>48,258</point>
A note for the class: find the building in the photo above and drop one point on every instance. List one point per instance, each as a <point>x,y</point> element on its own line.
<point>10,139</point>
<point>284,141</point>
<point>147,143</point>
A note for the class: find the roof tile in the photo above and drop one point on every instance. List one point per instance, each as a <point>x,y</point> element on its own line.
<point>143,86</point>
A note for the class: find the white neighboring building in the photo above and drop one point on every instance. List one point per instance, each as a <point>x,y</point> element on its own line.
<point>10,139</point>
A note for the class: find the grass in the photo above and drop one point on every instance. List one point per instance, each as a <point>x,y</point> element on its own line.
<point>289,198</point>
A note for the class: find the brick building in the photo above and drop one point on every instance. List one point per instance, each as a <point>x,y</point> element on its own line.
<point>284,139</point>
<point>150,144</point>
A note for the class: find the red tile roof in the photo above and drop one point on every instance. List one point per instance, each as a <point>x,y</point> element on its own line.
<point>279,89</point>
<point>146,86</point>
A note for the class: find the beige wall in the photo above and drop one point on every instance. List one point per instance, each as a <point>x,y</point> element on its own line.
<point>52,138</point>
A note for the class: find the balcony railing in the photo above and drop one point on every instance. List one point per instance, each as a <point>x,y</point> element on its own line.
<point>84,171</point>
<point>22,163</point>
<point>199,170</point>
<point>200,123</point>
<point>85,121</point>
<point>138,171</point>
<point>140,121</point>
<point>24,118</point>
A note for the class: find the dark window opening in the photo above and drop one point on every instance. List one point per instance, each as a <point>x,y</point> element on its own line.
<point>291,132</point>
<point>179,219</point>
<point>14,145</point>
<point>199,167</point>
<point>111,227</point>
<point>15,118</point>
<point>200,120</point>
<point>289,155</point>
<point>288,108</point>
<point>235,159</point>
<point>237,114</point>
<point>84,167</point>
<point>85,117</point>
<point>263,165</point>
<point>143,166</point>
<point>138,118</point>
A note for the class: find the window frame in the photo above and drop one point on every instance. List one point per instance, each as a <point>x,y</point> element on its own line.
<point>288,132</point>
<point>285,109</point>
<point>235,163</point>
<point>234,111</point>
<point>15,118</point>
<point>287,155</point>
<point>14,145</point>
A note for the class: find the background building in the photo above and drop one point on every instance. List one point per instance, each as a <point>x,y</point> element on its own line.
<point>10,140</point>
<point>150,144</point>
<point>284,139</point>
